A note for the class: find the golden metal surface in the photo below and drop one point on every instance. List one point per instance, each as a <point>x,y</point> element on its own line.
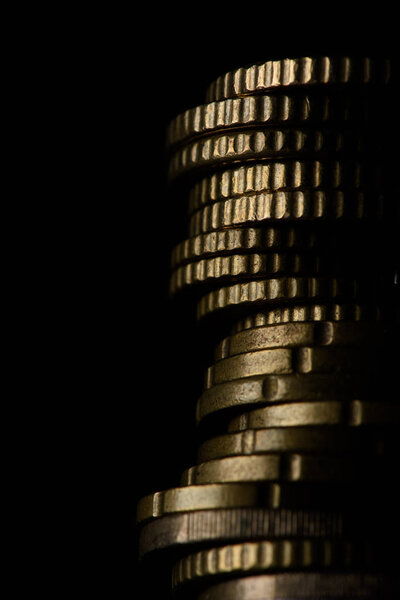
<point>253,557</point>
<point>278,467</point>
<point>254,178</point>
<point>269,389</point>
<point>298,586</point>
<point>264,208</point>
<point>272,143</point>
<point>290,439</point>
<point>304,71</point>
<point>285,335</point>
<point>270,291</point>
<point>252,111</point>
<point>355,413</point>
<point>238,524</point>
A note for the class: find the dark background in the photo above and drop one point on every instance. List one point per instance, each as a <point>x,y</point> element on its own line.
<point>153,356</point>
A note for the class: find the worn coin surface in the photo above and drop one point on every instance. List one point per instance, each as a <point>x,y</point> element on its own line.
<point>325,333</point>
<point>264,208</point>
<point>313,586</point>
<point>292,439</point>
<point>239,524</point>
<point>304,71</point>
<point>276,555</point>
<point>354,413</point>
<point>270,389</point>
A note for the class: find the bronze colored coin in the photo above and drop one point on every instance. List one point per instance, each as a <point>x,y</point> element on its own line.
<point>311,313</point>
<point>247,266</point>
<point>276,555</point>
<point>300,586</point>
<point>272,176</point>
<point>276,467</point>
<point>240,113</point>
<point>278,361</point>
<point>333,412</point>
<point>260,144</point>
<point>271,389</point>
<point>285,335</point>
<point>238,524</point>
<point>269,291</point>
<point>305,71</point>
<point>255,210</point>
<point>290,439</point>
<point>231,241</point>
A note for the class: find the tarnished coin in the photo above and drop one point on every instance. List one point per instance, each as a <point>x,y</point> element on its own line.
<point>313,586</point>
<point>232,241</point>
<point>325,333</point>
<point>279,467</point>
<point>272,389</point>
<point>304,71</point>
<point>278,361</point>
<point>269,291</point>
<point>273,176</point>
<point>312,312</point>
<point>240,113</point>
<point>239,524</point>
<point>272,143</point>
<point>221,269</point>
<point>292,439</point>
<point>276,555</point>
<point>264,208</point>
<point>354,413</point>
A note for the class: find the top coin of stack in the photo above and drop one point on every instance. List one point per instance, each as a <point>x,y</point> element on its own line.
<point>289,203</point>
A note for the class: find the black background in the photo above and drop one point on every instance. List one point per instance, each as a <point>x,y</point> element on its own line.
<point>152,357</point>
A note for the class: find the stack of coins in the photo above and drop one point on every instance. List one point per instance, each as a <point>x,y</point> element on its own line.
<point>291,250</point>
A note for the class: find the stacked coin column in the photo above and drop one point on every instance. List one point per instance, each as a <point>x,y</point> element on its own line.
<point>291,223</point>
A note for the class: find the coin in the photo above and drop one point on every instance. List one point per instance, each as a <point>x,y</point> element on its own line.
<point>267,292</point>
<point>271,389</point>
<point>240,113</point>
<point>265,208</point>
<point>313,586</point>
<point>239,524</point>
<point>279,467</point>
<point>276,361</point>
<point>286,335</point>
<point>354,413</point>
<point>312,312</point>
<point>276,555</point>
<point>254,178</point>
<point>303,71</point>
<point>291,439</point>
<point>272,143</point>
<point>230,241</point>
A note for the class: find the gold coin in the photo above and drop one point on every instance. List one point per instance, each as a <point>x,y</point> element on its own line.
<point>291,439</point>
<point>271,389</point>
<point>264,208</point>
<point>269,291</point>
<point>311,312</point>
<point>273,555</point>
<point>260,144</point>
<point>304,71</point>
<point>305,586</point>
<point>355,413</point>
<point>269,110</point>
<point>218,269</point>
<point>237,524</point>
<point>230,241</point>
<point>284,335</point>
<point>273,176</point>
<point>278,467</point>
<point>278,361</point>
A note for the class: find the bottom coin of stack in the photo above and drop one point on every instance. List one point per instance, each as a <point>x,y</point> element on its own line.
<point>293,498</point>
